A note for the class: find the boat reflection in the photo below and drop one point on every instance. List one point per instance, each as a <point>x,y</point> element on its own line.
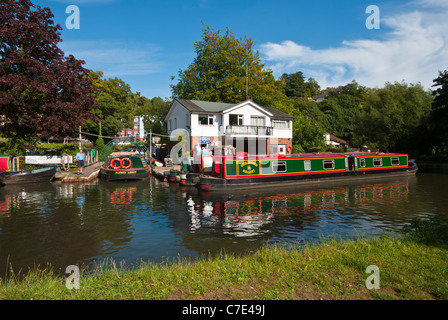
<point>247,215</point>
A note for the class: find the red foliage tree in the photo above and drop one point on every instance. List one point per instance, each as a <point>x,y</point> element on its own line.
<point>41,90</point>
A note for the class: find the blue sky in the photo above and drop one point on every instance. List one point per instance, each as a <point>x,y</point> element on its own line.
<point>145,42</point>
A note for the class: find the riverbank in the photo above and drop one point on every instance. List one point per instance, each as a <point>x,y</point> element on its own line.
<point>413,266</point>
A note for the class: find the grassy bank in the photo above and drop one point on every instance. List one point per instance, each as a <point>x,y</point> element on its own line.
<point>414,266</point>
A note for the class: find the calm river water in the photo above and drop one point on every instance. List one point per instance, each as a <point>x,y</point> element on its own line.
<point>64,224</point>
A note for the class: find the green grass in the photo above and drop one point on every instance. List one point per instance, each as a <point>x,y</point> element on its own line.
<point>414,266</point>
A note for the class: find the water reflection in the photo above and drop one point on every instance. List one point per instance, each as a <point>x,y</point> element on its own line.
<point>268,212</point>
<point>67,224</point>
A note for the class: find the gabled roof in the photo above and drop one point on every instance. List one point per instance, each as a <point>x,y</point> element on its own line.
<point>336,139</point>
<point>219,107</point>
<point>205,106</point>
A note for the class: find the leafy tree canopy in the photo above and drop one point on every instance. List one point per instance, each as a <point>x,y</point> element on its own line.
<point>41,91</point>
<point>438,121</point>
<point>221,68</point>
<point>296,86</point>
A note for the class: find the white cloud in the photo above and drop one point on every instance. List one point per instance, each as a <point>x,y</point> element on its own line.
<point>414,50</point>
<point>115,59</point>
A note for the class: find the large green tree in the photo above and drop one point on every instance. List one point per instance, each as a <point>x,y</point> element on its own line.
<point>224,68</point>
<point>154,112</point>
<point>392,117</point>
<point>438,121</point>
<point>296,86</point>
<point>117,105</point>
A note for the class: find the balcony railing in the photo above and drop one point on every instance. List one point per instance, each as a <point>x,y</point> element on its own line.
<point>249,130</point>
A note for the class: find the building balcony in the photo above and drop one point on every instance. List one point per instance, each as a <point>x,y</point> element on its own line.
<point>249,130</point>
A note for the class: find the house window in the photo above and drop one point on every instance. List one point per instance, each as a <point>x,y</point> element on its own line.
<point>377,162</point>
<point>395,161</point>
<point>175,123</point>
<point>279,166</point>
<point>236,119</point>
<point>257,121</point>
<point>281,149</point>
<point>328,164</point>
<point>281,124</point>
<point>206,119</point>
<point>307,164</point>
<point>362,162</point>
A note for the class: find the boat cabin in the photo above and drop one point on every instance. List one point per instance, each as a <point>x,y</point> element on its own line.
<point>231,167</point>
<point>9,163</point>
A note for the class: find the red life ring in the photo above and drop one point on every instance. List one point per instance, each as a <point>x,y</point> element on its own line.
<point>122,163</point>
<point>289,149</point>
<point>112,163</point>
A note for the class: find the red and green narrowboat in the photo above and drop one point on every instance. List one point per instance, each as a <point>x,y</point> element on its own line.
<point>231,172</point>
<point>125,166</point>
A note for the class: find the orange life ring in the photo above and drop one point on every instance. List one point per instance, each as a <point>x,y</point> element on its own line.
<point>112,163</point>
<point>122,163</point>
<point>289,149</point>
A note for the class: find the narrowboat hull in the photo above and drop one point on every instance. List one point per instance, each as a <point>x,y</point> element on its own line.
<point>125,166</point>
<point>28,176</point>
<point>240,174</point>
<point>125,174</point>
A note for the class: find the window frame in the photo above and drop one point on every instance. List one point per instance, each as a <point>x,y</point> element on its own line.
<point>362,162</point>
<point>307,165</point>
<point>239,119</point>
<point>380,161</point>
<point>275,123</point>
<point>277,163</point>
<point>208,117</point>
<point>397,159</point>
<point>329,161</point>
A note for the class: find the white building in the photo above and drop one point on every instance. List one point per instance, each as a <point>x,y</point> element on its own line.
<point>334,141</point>
<point>137,131</point>
<point>246,126</point>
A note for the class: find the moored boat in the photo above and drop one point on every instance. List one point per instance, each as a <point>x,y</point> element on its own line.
<point>125,166</point>
<point>28,176</point>
<point>231,172</point>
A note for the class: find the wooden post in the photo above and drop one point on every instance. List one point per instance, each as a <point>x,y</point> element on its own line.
<point>150,146</point>
<point>79,137</point>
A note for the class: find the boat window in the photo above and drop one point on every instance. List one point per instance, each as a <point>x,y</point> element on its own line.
<point>307,164</point>
<point>279,166</point>
<point>362,162</point>
<point>377,162</point>
<point>395,161</point>
<point>328,164</point>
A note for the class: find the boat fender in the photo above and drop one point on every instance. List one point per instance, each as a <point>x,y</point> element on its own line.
<point>289,149</point>
<point>122,163</point>
<point>114,166</point>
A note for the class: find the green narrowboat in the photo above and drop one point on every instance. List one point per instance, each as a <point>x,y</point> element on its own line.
<point>125,166</point>
<point>231,172</point>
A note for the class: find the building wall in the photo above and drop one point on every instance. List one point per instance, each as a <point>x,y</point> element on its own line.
<point>205,130</point>
<point>247,111</point>
<point>179,119</point>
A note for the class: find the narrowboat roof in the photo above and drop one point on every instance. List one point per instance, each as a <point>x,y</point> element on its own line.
<point>323,154</point>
